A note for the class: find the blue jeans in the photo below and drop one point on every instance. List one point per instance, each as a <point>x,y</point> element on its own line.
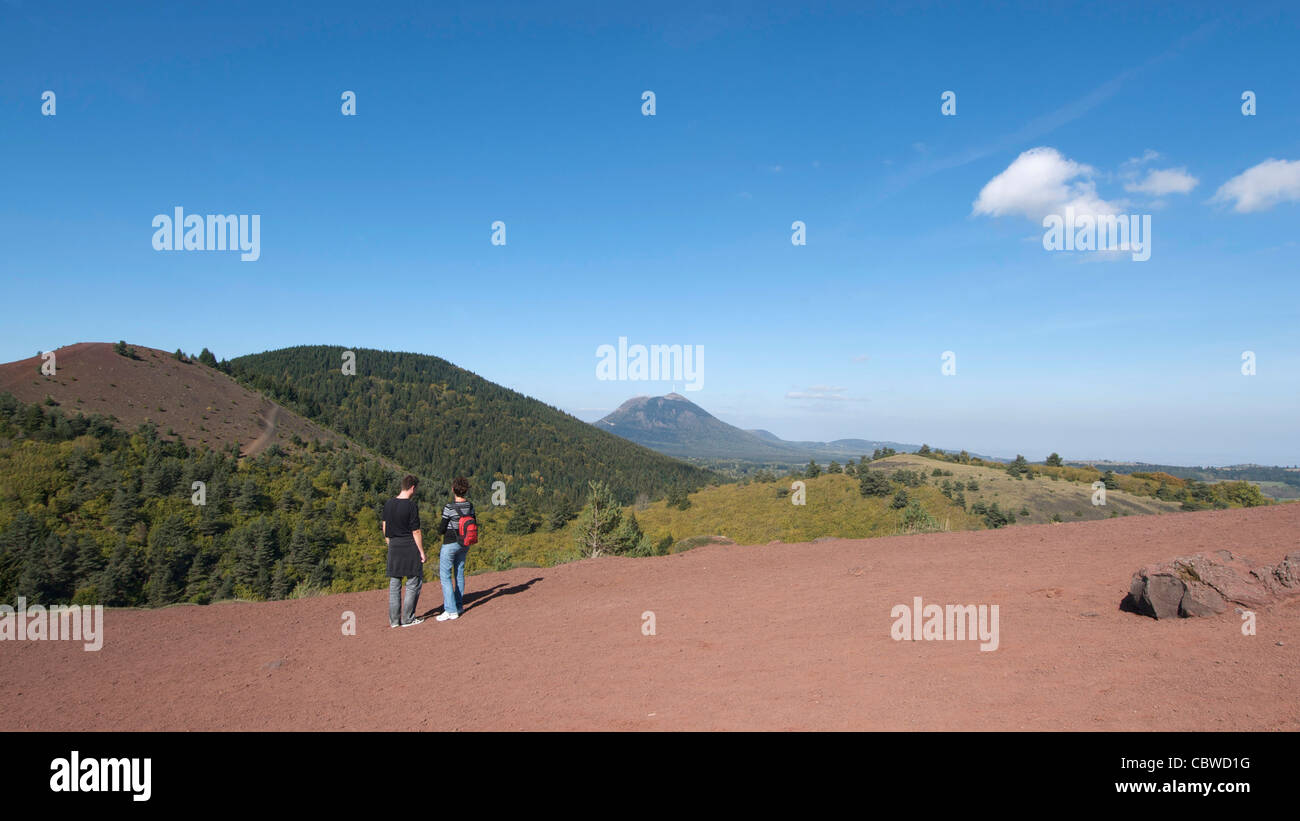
<point>451,560</point>
<point>413,585</point>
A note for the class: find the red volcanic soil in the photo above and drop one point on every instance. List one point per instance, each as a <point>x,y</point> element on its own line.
<point>769,637</point>
<point>202,405</point>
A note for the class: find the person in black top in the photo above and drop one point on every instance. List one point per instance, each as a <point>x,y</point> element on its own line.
<point>401,523</point>
<point>451,560</point>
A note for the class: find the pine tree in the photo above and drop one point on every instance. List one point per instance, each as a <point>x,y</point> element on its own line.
<point>15,540</point>
<point>198,580</point>
<point>46,576</point>
<point>169,556</point>
<point>598,521</point>
<point>89,562</point>
<point>279,582</point>
<point>873,483</point>
<point>250,498</point>
<point>124,510</point>
<point>1019,468</point>
<point>665,545</point>
<point>678,499</point>
<point>521,521</point>
<point>121,582</point>
<point>629,540</point>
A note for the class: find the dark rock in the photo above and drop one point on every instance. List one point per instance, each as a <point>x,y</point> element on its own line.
<point>1204,585</point>
<point>1163,594</point>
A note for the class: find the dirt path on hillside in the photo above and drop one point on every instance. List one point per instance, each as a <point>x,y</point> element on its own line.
<point>264,439</point>
<point>746,638</point>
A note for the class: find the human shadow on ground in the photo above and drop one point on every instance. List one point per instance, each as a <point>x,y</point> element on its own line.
<point>476,598</point>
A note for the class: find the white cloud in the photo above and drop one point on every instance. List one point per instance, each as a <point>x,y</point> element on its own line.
<point>1040,182</point>
<point>823,393</point>
<point>1261,187</point>
<point>1160,182</point>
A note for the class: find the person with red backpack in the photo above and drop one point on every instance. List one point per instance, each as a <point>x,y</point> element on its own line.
<point>459,529</point>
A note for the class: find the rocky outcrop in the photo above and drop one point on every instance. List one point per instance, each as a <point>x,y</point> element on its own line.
<point>1208,583</point>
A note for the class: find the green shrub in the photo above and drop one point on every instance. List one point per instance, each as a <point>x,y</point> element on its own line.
<point>917,520</point>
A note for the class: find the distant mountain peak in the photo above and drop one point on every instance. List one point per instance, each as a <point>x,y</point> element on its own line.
<point>676,426</point>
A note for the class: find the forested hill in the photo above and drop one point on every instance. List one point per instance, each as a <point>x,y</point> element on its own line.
<point>441,420</point>
<point>94,514</point>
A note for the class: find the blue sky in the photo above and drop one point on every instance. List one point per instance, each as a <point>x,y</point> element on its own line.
<point>676,228</point>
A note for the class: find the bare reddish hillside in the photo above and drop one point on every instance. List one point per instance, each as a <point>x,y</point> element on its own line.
<point>768,637</point>
<point>201,404</point>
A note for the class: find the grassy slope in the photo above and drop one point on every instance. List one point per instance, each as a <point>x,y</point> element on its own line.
<point>754,514</point>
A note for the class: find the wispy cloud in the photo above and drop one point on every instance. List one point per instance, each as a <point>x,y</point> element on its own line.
<point>1159,182</point>
<point>1133,163</point>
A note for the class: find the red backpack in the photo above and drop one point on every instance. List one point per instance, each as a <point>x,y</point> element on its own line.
<point>467,530</point>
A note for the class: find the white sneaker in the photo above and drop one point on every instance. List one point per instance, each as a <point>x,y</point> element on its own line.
<point>445,616</point>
